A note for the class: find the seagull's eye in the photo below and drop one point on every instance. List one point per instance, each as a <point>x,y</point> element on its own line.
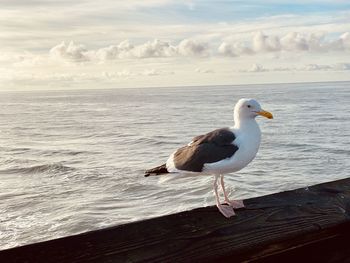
<point>248,106</point>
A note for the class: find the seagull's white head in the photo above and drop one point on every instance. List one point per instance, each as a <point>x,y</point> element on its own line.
<point>249,109</point>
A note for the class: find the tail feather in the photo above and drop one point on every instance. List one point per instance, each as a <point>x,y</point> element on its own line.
<point>157,170</point>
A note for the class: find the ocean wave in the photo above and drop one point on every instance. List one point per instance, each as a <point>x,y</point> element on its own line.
<point>67,152</point>
<point>52,168</point>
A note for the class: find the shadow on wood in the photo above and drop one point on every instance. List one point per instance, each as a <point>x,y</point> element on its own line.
<point>310,224</point>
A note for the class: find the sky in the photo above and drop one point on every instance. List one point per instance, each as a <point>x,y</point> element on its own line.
<point>46,44</point>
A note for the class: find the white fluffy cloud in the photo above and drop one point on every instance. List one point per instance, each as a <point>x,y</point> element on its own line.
<point>234,49</point>
<point>188,47</point>
<point>264,43</point>
<point>70,52</point>
<point>155,48</point>
<point>293,41</point>
<point>260,43</point>
<point>150,49</point>
<point>343,43</point>
<point>113,52</point>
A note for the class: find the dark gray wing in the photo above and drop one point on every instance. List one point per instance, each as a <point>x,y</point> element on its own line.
<point>209,148</point>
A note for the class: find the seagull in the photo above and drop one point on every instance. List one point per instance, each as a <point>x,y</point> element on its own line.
<point>219,152</point>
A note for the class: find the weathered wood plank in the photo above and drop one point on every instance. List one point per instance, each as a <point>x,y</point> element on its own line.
<point>312,222</point>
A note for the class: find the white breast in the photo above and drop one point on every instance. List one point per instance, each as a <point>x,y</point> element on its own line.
<point>248,142</point>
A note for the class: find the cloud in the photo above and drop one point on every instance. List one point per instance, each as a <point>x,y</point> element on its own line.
<point>204,71</point>
<point>154,72</point>
<point>227,50</point>
<point>150,49</point>
<point>150,72</point>
<point>282,47</point>
<point>188,47</point>
<point>113,52</point>
<point>294,41</point>
<point>283,69</point>
<point>155,48</point>
<point>342,66</point>
<point>308,67</point>
<point>235,49</point>
<point>118,74</point>
<point>256,68</point>
<point>127,73</point>
<point>260,43</point>
<point>159,48</point>
<point>12,57</point>
<point>344,41</point>
<point>333,67</point>
<point>36,25</point>
<point>264,43</point>
<point>70,52</point>
<point>314,67</point>
<point>290,42</point>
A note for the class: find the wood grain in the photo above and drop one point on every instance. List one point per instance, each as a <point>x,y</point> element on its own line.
<point>310,224</point>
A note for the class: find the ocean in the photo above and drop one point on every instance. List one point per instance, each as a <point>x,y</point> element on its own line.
<point>73,161</point>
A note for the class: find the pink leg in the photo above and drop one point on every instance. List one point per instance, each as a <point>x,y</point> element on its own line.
<point>227,211</point>
<point>233,203</point>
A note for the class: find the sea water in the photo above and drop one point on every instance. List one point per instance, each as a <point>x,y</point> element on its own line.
<point>73,161</point>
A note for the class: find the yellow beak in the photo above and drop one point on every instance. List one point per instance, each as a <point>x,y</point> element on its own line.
<point>265,114</point>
